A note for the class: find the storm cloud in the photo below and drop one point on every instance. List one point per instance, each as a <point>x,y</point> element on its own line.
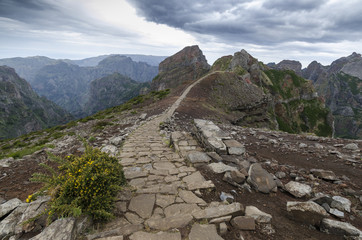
<point>271,30</point>
<point>259,22</point>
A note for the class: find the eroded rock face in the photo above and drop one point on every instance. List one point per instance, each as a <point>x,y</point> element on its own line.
<point>187,65</point>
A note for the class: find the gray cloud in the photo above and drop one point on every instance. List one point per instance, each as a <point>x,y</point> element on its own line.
<point>292,5</point>
<point>272,22</point>
<point>52,15</point>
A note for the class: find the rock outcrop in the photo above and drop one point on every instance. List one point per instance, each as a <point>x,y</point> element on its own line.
<point>290,65</point>
<point>265,97</point>
<point>187,65</point>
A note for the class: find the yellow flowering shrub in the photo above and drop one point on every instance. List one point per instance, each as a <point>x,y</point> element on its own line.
<point>86,184</point>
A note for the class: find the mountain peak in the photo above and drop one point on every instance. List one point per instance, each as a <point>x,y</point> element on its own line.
<point>186,65</point>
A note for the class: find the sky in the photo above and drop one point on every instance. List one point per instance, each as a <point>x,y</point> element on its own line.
<point>270,30</point>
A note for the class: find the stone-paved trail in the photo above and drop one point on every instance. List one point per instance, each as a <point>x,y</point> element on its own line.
<point>167,189</point>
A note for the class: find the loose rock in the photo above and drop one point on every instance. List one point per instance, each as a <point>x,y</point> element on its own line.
<point>324,174</point>
<point>341,203</point>
<point>339,228</point>
<point>221,167</point>
<point>259,216</point>
<point>243,223</point>
<point>298,189</point>
<point>260,179</point>
<point>198,157</point>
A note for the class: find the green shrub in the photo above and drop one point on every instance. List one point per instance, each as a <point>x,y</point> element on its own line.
<point>81,185</point>
<point>100,125</point>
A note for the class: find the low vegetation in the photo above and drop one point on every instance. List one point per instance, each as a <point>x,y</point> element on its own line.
<point>84,184</point>
<point>280,84</point>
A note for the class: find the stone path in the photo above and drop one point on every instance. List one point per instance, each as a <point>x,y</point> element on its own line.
<point>167,188</point>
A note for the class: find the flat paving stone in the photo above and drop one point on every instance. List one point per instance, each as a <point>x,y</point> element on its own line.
<point>204,232</point>
<point>218,211</point>
<point>190,197</point>
<point>163,166</point>
<point>197,181</point>
<point>133,218</point>
<point>167,223</point>
<point>155,236</point>
<point>165,200</point>
<point>181,209</point>
<point>143,205</point>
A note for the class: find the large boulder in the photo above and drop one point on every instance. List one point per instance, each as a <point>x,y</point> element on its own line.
<point>339,228</point>
<point>260,179</point>
<point>298,189</point>
<point>306,212</point>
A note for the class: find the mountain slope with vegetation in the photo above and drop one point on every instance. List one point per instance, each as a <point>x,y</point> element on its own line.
<point>22,110</point>
<point>68,85</point>
<point>111,91</point>
<point>341,86</point>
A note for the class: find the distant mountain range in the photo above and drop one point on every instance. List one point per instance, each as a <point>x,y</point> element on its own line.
<point>22,110</point>
<point>67,82</point>
<point>340,84</point>
<point>238,87</point>
<point>28,67</point>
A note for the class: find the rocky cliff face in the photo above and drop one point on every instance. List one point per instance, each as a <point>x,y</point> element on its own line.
<point>111,91</point>
<point>187,65</point>
<point>22,110</point>
<point>340,84</point>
